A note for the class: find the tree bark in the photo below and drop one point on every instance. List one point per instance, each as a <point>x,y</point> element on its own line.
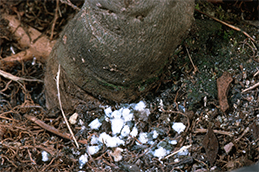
<point>115,49</point>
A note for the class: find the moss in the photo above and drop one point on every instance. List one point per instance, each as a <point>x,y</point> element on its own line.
<point>214,49</point>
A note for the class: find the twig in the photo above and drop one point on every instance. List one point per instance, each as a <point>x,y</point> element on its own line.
<point>54,20</point>
<point>9,161</point>
<point>195,67</point>
<point>60,105</point>
<point>215,131</point>
<point>182,149</point>
<point>16,78</point>
<point>70,4</point>
<point>32,160</point>
<point>256,73</point>
<point>250,88</point>
<point>229,25</point>
<point>51,129</point>
<point>242,135</point>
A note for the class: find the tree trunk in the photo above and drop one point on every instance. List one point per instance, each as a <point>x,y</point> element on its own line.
<point>115,49</point>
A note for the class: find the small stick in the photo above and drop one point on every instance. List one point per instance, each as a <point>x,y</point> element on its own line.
<point>182,149</point>
<point>70,4</point>
<point>215,131</point>
<point>250,88</point>
<point>60,105</point>
<point>195,68</point>
<point>51,128</point>
<point>256,73</point>
<point>242,135</point>
<point>229,25</point>
<point>54,20</point>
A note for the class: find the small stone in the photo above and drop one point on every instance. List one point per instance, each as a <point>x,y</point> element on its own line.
<point>73,118</point>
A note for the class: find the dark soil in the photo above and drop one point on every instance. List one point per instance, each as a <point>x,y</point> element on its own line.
<point>182,95</point>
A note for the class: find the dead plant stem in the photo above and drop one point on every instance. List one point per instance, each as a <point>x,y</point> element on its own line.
<point>60,105</point>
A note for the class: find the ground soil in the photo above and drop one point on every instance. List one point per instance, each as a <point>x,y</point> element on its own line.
<point>186,93</point>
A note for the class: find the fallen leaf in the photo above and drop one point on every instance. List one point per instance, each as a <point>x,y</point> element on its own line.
<point>223,87</point>
<point>254,129</point>
<point>210,143</point>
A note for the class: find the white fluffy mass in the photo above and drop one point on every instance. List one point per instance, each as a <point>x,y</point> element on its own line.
<point>125,131</point>
<point>44,156</point>
<point>155,134</point>
<point>178,127</point>
<point>127,116</point>
<point>110,141</point>
<point>94,140</point>
<point>134,132</point>
<point>93,149</point>
<point>140,106</point>
<point>143,138</point>
<point>160,152</point>
<point>123,127</point>
<point>82,160</point>
<point>117,124</point>
<point>108,111</point>
<point>95,124</point>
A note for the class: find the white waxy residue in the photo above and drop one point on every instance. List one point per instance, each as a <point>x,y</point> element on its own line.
<point>45,156</point>
<point>160,152</point>
<point>125,131</point>
<point>134,132</point>
<point>110,141</point>
<point>127,116</point>
<point>93,149</point>
<point>108,111</point>
<point>143,138</point>
<point>73,118</point>
<point>95,124</point>
<point>178,127</point>
<point>117,124</point>
<point>82,160</point>
<point>140,106</point>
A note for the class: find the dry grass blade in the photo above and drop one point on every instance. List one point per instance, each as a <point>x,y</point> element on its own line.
<point>60,105</point>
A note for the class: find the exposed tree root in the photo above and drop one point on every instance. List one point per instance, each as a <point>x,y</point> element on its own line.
<point>35,44</point>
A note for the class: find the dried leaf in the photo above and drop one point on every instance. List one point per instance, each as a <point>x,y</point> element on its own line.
<point>210,143</point>
<point>254,129</point>
<point>223,87</point>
